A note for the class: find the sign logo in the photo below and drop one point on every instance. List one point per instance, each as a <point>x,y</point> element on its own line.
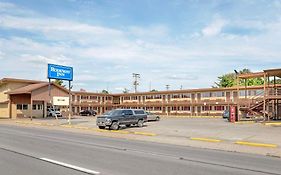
<point>60,72</point>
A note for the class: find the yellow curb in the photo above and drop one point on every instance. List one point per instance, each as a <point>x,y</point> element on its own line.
<point>272,124</point>
<point>121,132</point>
<point>23,122</point>
<point>81,127</point>
<point>245,122</point>
<point>144,133</point>
<point>256,144</point>
<point>205,139</point>
<point>99,130</point>
<point>67,126</point>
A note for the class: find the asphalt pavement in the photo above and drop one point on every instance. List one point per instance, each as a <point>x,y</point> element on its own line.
<point>30,151</point>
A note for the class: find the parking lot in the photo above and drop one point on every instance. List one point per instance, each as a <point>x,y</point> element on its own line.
<point>214,133</point>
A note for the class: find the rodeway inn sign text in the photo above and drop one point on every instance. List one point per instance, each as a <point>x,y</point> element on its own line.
<point>60,72</point>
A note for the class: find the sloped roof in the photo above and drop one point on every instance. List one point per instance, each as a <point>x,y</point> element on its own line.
<point>29,88</point>
<point>6,80</point>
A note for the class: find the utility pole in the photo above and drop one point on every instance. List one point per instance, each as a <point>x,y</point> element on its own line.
<point>136,82</point>
<point>167,87</point>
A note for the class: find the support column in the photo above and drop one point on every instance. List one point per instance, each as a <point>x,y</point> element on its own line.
<point>264,95</point>
<point>44,109</point>
<point>238,101</point>
<point>31,108</point>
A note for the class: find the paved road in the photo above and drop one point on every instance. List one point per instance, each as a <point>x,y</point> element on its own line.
<point>28,151</point>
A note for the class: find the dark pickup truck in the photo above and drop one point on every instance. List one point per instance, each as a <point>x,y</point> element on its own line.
<point>113,119</point>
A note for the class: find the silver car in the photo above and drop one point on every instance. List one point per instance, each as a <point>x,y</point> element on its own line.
<point>152,117</point>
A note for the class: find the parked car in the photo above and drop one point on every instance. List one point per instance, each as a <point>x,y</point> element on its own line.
<point>88,113</point>
<point>51,112</point>
<point>152,117</point>
<point>113,119</point>
<point>225,114</point>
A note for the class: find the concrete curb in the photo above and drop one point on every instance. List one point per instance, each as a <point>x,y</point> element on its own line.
<point>88,128</point>
<point>213,140</point>
<point>212,117</point>
<point>256,144</point>
<point>245,122</point>
<point>205,139</point>
<point>273,124</point>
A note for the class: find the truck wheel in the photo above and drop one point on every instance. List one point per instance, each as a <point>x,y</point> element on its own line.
<point>114,126</point>
<point>140,123</point>
<point>101,127</point>
<point>128,125</point>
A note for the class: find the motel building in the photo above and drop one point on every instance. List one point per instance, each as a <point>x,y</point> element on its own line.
<point>23,98</point>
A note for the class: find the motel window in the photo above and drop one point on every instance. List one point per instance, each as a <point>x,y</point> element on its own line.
<point>175,96</point>
<point>126,98</point>
<point>24,107</point>
<point>93,97</point>
<point>33,107</point>
<point>84,108</point>
<point>206,94</point>
<point>259,92</point>
<point>186,108</point>
<point>218,94</point>
<point>206,108</point>
<point>149,97</point>
<point>157,96</point>
<point>242,93</point>
<point>39,107</point>
<point>219,108</point>
<point>83,97</point>
<point>174,108</point>
<point>157,108</point>
<point>134,97</point>
<point>19,106</point>
<point>186,95</point>
<point>149,108</point>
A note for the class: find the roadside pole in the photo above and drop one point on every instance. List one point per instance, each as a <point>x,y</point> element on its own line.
<point>69,105</point>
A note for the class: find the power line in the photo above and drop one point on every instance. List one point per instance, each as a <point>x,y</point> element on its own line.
<point>167,87</point>
<point>136,82</point>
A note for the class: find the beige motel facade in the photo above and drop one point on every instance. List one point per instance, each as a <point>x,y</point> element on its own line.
<point>25,98</point>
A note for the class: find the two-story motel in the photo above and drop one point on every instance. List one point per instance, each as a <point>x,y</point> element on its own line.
<point>25,98</point>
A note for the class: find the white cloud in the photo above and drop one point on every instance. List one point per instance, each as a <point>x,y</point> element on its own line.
<point>39,59</point>
<point>111,54</point>
<point>155,31</point>
<point>214,28</point>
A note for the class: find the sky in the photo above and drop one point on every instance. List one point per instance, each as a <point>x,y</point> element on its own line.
<point>183,43</point>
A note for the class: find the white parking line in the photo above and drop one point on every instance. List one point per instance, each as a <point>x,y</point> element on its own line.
<point>70,166</point>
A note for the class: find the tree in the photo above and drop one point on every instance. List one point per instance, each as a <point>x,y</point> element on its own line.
<point>59,82</point>
<point>125,91</point>
<point>154,90</point>
<point>229,80</point>
<point>104,91</point>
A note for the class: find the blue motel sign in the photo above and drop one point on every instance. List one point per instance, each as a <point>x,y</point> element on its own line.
<point>60,72</point>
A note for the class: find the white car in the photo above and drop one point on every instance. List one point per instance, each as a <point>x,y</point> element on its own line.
<point>152,117</point>
<point>53,112</point>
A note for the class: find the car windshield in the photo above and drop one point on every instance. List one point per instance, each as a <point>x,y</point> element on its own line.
<point>113,112</point>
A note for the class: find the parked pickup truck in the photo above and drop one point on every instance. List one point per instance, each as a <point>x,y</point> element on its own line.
<point>113,119</point>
